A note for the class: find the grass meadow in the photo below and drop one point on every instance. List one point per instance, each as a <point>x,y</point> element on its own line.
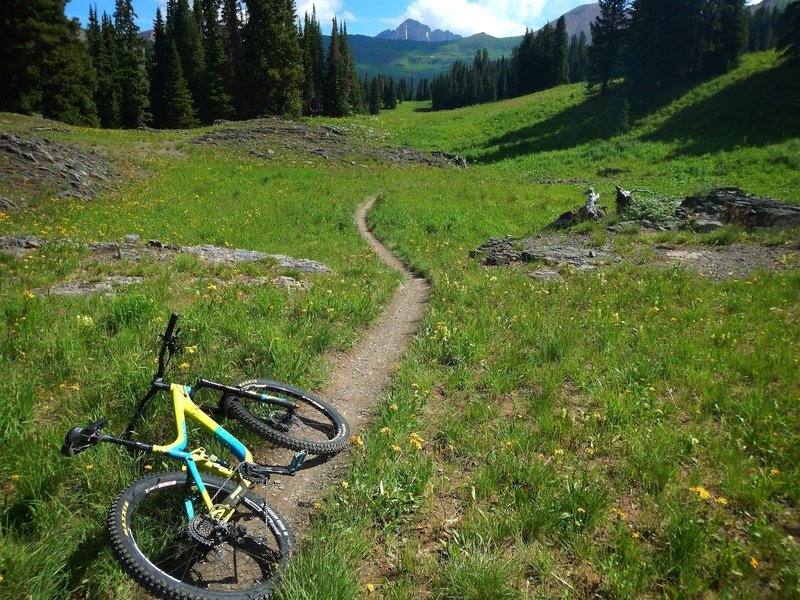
<point>624,433</point>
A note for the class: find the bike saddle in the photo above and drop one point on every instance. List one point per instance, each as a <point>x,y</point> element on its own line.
<point>82,437</point>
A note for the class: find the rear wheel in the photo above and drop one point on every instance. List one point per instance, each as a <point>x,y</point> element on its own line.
<point>315,426</point>
<point>199,558</point>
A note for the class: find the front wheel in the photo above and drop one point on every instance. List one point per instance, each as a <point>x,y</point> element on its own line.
<point>198,558</point>
<point>315,426</point>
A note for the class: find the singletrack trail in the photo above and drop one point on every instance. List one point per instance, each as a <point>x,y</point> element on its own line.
<point>359,377</point>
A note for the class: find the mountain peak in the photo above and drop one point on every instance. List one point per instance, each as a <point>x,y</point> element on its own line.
<point>411,30</point>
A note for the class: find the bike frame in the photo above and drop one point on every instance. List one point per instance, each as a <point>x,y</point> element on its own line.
<point>197,460</point>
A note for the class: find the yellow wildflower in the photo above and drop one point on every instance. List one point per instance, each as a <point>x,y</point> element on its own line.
<point>396,448</point>
<point>774,472</point>
<point>371,588</point>
<point>416,441</point>
<point>183,366</point>
<point>722,501</point>
<point>28,295</point>
<point>701,491</point>
<point>345,484</point>
<point>393,406</point>
<point>754,562</point>
<point>211,287</point>
<point>559,451</point>
<point>191,349</point>
<point>387,431</point>
<point>357,440</point>
<point>635,535</point>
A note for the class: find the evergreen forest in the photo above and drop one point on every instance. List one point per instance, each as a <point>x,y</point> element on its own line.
<point>224,59</point>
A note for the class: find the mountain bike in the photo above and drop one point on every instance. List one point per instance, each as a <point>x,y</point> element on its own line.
<point>201,532</point>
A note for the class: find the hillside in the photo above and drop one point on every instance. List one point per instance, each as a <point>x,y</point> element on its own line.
<point>622,426</point>
<point>415,59</point>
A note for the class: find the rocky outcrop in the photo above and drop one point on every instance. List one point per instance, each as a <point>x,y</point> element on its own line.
<point>275,138</point>
<point>731,205</point>
<point>44,165</point>
<point>591,211</point>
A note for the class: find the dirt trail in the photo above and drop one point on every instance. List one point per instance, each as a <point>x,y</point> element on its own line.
<point>358,380</point>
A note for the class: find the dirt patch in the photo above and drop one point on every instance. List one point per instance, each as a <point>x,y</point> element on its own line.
<point>274,138</point>
<point>555,252</point>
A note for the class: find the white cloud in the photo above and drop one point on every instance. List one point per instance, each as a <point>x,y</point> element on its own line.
<point>500,18</point>
<point>326,10</point>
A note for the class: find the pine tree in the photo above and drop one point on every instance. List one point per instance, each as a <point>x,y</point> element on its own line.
<point>355,100</point>
<point>274,69</point>
<point>375,96</point>
<point>789,42</point>
<point>578,58</point>
<point>218,103</point>
<point>108,95</point>
<point>158,71</point>
<point>182,28</point>
<point>665,42</point>
<point>232,42</point>
<point>605,53</point>
<point>335,97</point>
<point>560,54</point>
<point>177,99</point>
<point>44,66</point>
<point>131,73</point>
<point>313,65</point>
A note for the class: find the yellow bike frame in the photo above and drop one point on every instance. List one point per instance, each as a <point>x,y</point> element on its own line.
<point>199,460</point>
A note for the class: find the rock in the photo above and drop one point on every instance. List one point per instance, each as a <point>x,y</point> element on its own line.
<point>132,238</point>
<point>46,165</point>
<point>9,206</point>
<point>497,251</point>
<point>591,211</point>
<point>10,242</point>
<point>731,205</point>
<point>85,288</point>
<point>706,225</point>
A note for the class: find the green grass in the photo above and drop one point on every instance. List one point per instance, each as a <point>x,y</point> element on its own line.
<point>630,432</point>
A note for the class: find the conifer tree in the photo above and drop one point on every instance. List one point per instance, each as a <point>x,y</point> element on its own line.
<point>375,96</point>
<point>177,99</point>
<point>578,58</point>
<point>274,68</point>
<point>606,51</point>
<point>335,97</point>
<point>665,42</point>
<point>313,65</point>
<point>232,42</point>
<point>218,103</point>
<point>789,42</point>
<point>182,28</point>
<point>131,71</point>
<point>44,66</point>
<point>560,54</point>
<point>355,99</point>
<point>108,94</point>
<point>158,71</point>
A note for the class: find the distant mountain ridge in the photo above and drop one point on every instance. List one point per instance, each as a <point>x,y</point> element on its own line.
<point>414,31</point>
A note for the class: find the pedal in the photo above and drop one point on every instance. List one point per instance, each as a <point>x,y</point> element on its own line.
<point>256,472</point>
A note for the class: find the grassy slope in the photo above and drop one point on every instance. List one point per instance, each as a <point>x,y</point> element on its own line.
<point>627,433</point>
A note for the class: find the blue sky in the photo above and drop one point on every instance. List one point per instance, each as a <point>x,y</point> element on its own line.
<point>500,18</point>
